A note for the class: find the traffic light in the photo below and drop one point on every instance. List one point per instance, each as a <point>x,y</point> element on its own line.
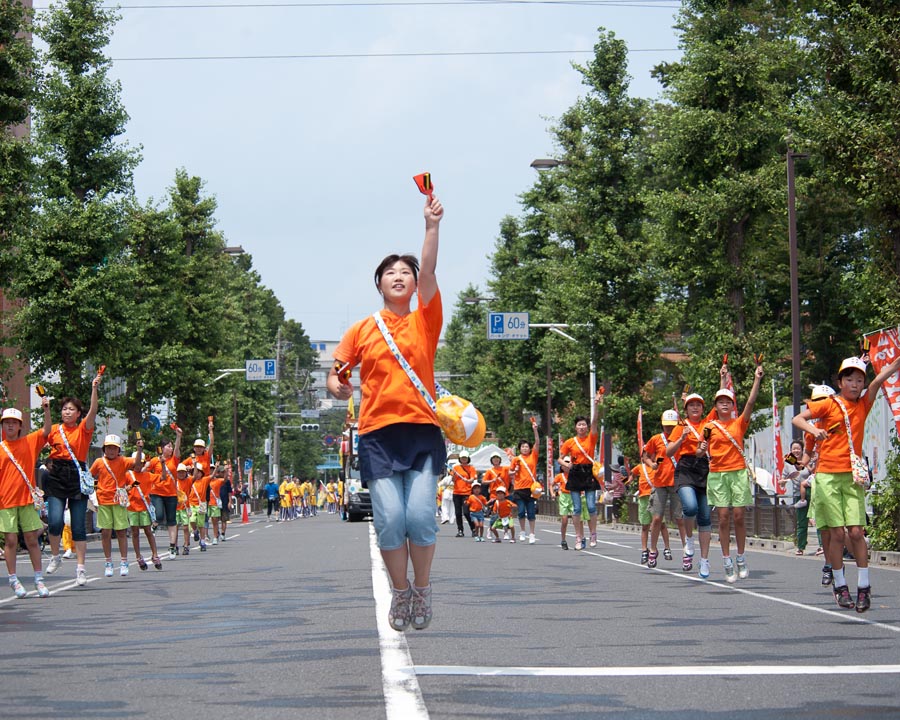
<point>312,427</point>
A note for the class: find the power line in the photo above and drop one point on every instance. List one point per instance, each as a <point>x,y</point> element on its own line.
<point>338,56</point>
<point>388,3</point>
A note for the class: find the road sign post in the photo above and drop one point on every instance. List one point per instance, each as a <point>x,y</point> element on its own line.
<point>508,326</point>
<point>262,369</point>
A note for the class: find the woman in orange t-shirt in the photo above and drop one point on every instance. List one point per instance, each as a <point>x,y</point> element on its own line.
<point>401,448</point>
<point>463,475</point>
<point>69,444</point>
<point>523,474</point>
<point>163,492</point>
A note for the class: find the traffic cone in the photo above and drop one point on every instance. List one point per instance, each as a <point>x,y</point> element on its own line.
<point>245,518</point>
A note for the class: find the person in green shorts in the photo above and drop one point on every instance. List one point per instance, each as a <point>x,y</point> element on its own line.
<point>139,517</point>
<point>183,483</point>
<point>19,495</point>
<point>840,489</point>
<point>728,484</point>
<point>645,471</point>
<point>563,498</point>
<point>109,471</point>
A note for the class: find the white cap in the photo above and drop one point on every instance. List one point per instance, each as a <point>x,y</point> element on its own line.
<point>464,454</point>
<point>12,414</point>
<point>852,363</point>
<point>198,466</point>
<point>113,440</point>
<point>181,468</point>
<point>725,393</point>
<point>820,392</point>
<point>501,488</point>
<point>565,459</point>
<point>669,417</point>
<point>199,443</point>
<point>694,396</point>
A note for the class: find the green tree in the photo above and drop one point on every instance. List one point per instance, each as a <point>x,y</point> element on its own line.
<point>66,271</point>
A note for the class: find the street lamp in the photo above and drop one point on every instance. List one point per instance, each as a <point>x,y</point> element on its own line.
<point>795,291</point>
<point>547,163</point>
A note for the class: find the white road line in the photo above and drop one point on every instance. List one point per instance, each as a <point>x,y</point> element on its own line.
<point>657,671</point>
<point>270,525</point>
<point>402,696</point>
<point>250,532</point>
<point>842,614</point>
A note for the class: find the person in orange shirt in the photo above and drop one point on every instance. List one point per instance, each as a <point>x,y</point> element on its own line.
<point>463,475</point>
<point>643,472</point>
<point>163,493</point>
<point>497,474</point>
<point>19,496</point>
<point>69,443</point>
<point>663,481</point>
<point>109,471</point>
<point>840,495</point>
<point>563,497</point>
<point>215,501</point>
<point>580,450</point>
<point>184,481</point>
<point>401,448</point>
<point>139,515</point>
<point>523,474</point>
<point>728,483</point>
<point>689,449</point>
<point>201,453</point>
<point>477,504</point>
<point>198,500</point>
<point>503,510</point>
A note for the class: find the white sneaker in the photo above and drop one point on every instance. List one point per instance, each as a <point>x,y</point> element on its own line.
<point>522,537</point>
<point>123,569</point>
<point>730,574</point>
<point>42,590</point>
<point>53,565</point>
<point>532,539</point>
<point>68,555</point>
<point>108,569</point>
<point>689,547</point>
<point>81,578</point>
<point>704,569</point>
<point>215,541</point>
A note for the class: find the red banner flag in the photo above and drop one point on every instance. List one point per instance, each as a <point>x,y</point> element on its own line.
<point>884,345</point>
<point>777,450</point>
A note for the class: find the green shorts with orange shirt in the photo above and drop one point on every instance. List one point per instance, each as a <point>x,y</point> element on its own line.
<point>645,517</point>
<point>838,501</point>
<point>729,489</point>
<point>22,518</point>
<point>112,517</point>
<point>139,519</point>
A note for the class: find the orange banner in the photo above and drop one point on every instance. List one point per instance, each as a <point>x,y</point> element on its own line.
<point>884,345</point>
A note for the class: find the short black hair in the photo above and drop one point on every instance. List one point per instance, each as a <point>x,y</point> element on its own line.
<point>409,259</point>
<point>579,418</point>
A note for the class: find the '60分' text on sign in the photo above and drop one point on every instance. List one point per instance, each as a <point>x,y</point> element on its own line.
<point>507,326</point>
<point>261,370</point>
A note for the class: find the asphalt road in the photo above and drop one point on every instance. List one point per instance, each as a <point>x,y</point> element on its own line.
<point>281,622</point>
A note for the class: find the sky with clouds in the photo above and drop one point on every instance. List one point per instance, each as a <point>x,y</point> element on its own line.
<point>311,157</point>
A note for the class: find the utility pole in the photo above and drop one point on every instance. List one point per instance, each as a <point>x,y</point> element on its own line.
<point>276,442</point>
<point>795,291</point>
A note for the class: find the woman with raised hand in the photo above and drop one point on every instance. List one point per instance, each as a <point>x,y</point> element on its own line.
<point>69,443</point>
<point>401,448</point>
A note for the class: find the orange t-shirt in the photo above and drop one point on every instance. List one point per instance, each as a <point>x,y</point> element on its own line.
<point>135,503</point>
<point>561,479</point>
<point>834,451</point>
<point>388,395</point>
<point>644,474</point>
<point>79,438</point>
<point>215,485</point>
<point>494,476</point>
<point>163,484</point>
<point>504,508</point>
<point>13,490</point>
<point>583,455</point>
<point>723,455</point>
<point>462,475</point>
<point>198,492</point>
<point>203,459</point>
<point>664,475</point>
<point>476,503</point>
<point>526,470</point>
<point>185,487</point>
<point>691,438</point>
<point>106,484</point>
